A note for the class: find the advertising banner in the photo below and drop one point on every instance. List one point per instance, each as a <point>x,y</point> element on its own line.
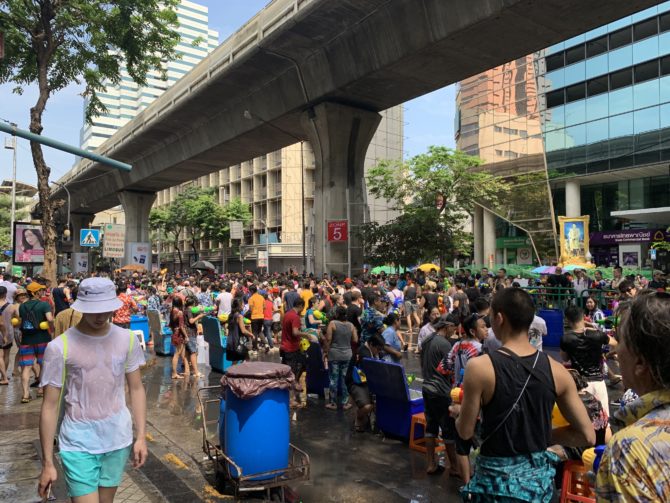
<point>28,243</point>
<point>80,262</point>
<point>114,241</point>
<point>140,254</point>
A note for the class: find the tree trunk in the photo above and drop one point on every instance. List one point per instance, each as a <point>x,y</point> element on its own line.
<point>176,247</point>
<point>43,172</point>
<point>195,250</point>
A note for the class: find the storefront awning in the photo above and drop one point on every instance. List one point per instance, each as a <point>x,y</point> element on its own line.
<point>660,216</point>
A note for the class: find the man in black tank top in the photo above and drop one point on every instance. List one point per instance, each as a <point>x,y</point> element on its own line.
<point>514,390</point>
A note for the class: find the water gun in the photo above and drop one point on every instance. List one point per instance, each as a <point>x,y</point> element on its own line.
<point>304,344</point>
<point>247,321</point>
<point>591,458</point>
<point>320,316</point>
<point>44,326</point>
<point>202,309</point>
<point>557,419</point>
<point>223,317</point>
<point>610,321</point>
<point>411,378</point>
<point>456,395</point>
<point>15,322</point>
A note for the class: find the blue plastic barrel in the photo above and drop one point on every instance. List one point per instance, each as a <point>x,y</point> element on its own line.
<point>140,323</point>
<point>222,421</point>
<point>554,321</point>
<point>257,432</point>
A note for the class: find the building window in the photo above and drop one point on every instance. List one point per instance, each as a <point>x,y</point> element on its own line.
<point>555,61</point>
<point>620,79</point>
<point>574,54</point>
<point>555,98</point>
<point>645,29</point>
<point>646,71</point>
<point>620,38</point>
<point>597,86</point>
<point>576,92</point>
<point>596,46</point>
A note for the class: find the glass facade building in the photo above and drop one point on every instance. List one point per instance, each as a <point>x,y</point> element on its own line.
<point>592,110</point>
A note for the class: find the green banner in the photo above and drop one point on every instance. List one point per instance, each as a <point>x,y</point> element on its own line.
<point>512,242</point>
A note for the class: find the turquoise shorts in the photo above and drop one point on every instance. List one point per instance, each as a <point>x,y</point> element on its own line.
<point>85,472</point>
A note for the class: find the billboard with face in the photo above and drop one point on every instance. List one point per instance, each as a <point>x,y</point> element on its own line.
<point>28,243</point>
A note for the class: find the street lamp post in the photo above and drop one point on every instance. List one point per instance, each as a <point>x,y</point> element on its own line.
<point>10,143</point>
<point>249,115</point>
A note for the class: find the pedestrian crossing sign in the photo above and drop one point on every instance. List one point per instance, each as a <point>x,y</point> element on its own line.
<point>89,237</point>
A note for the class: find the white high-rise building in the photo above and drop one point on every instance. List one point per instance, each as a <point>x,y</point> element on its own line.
<point>126,99</point>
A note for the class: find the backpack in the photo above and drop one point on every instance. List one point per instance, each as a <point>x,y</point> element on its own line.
<point>29,322</point>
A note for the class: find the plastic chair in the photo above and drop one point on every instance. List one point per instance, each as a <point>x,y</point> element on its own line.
<point>140,338</point>
<point>419,444</point>
<point>576,487</point>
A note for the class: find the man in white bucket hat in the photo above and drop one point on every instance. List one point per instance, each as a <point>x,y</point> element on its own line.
<point>96,433</point>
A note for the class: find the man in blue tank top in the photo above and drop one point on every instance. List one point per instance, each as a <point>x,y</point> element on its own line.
<point>513,389</point>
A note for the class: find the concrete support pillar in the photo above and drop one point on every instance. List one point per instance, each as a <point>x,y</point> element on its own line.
<point>489,238</point>
<point>136,206</point>
<point>339,135</point>
<point>573,199</point>
<point>478,235</point>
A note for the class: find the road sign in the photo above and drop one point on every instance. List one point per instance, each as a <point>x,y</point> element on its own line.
<point>262,258</point>
<point>89,237</point>
<point>115,237</point>
<point>338,230</point>
<point>236,229</point>
<point>652,253</point>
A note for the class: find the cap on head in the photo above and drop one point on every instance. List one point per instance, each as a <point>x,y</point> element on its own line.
<point>35,287</point>
<point>96,295</point>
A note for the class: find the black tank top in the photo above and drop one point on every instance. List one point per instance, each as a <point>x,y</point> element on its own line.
<point>410,295</point>
<point>528,427</point>
<point>60,302</point>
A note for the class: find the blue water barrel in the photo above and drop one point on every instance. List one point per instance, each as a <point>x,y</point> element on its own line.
<point>554,321</point>
<point>222,422</point>
<point>257,431</point>
<point>140,323</point>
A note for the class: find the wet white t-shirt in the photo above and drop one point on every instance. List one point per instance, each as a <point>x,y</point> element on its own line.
<point>96,418</point>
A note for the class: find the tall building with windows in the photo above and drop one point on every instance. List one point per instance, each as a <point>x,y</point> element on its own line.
<point>126,99</point>
<point>272,186</point>
<point>581,128</point>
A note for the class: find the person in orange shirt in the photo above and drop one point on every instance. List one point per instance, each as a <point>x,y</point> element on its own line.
<point>257,307</point>
<point>306,294</point>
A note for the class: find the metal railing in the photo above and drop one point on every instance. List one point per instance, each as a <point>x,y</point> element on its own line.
<point>546,297</point>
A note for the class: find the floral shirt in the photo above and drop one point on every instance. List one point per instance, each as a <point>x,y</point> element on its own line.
<point>122,314</point>
<point>372,323</point>
<point>634,466</point>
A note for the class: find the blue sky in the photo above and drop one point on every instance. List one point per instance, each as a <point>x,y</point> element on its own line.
<point>428,119</point>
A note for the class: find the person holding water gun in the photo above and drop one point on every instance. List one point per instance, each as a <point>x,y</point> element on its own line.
<point>470,346</point>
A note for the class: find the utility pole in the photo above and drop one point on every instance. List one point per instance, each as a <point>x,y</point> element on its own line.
<point>10,143</point>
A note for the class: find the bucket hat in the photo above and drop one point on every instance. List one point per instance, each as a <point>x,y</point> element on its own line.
<point>96,295</point>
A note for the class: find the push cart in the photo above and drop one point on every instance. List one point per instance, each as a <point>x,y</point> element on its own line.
<point>271,482</point>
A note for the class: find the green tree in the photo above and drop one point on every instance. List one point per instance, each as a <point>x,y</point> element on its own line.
<point>423,232</point>
<point>6,220</point>
<point>196,212</point>
<point>53,43</point>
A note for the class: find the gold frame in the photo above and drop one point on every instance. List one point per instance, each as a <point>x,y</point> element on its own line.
<point>566,256</point>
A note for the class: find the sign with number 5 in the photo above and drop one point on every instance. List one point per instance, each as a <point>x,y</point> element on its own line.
<point>337,230</point>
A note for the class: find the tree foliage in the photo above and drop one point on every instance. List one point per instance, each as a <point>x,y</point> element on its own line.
<point>53,43</point>
<point>5,220</point>
<point>422,232</point>
<point>196,213</point>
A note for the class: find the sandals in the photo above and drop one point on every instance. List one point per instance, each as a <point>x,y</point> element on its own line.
<point>25,400</point>
<point>4,383</point>
<point>177,376</point>
<point>347,406</point>
<point>331,406</point>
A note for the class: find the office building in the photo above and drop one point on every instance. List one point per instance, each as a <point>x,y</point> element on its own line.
<point>579,128</point>
<point>272,186</point>
<point>126,99</point>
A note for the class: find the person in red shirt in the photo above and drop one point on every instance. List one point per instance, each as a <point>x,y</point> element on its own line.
<point>268,308</point>
<point>290,343</point>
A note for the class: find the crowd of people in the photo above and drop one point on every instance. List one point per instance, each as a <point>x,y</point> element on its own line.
<point>487,384</point>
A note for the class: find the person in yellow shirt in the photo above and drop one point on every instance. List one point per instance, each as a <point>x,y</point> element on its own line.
<point>306,294</point>
<point>634,466</point>
<point>256,306</point>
